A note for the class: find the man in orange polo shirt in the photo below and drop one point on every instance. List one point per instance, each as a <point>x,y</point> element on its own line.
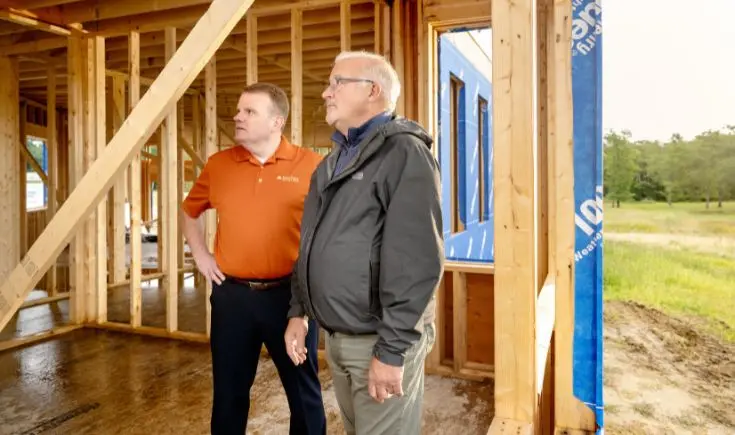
<point>258,189</point>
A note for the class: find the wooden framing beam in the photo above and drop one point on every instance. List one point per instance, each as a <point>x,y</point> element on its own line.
<point>26,153</point>
<point>118,269</point>
<point>143,80</point>
<point>514,129</point>
<point>75,99</point>
<point>136,303</point>
<point>33,46</point>
<point>35,338</point>
<point>186,64</point>
<point>219,123</point>
<point>211,145</point>
<point>99,127</point>
<point>251,49</point>
<point>145,21</point>
<point>397,53</point>
<point>92,10</point>
<point>297,80</point>
<point>186,146</point>
<point>459,12</point>
<point>459,319</point>
<point>52,148</point>
<point>28,19</point>
<point>570,413</point>
<point>37,4</point>
<point>168,230</point>
<point>10,168</point>
<point>23,180</point>
<point>345,25</point>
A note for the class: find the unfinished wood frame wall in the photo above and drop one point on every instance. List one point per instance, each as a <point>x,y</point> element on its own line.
<point>532,290</point>
<point>100,81</point>
<point>465,320</point>
<point>464,323</point>
<point>105,163</point>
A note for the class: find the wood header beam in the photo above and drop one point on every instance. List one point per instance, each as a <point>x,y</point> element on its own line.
<point>189,60</point>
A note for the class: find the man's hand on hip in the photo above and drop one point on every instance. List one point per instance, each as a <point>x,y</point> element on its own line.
<point>207,266</point>
<point>295,338</point>
<point>384,381</point>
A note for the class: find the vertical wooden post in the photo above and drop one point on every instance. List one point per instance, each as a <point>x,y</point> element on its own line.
<point>10,169</point>
<point>180,177</point>
<point>459,319</point>
<point>570,413</point>
<point>516,278</point>
<point>297,77</point>
<point>135,188</point>
<point>345,25</point>
<point>210,147</point>
<point>22,185</point>
<point>385,31</point>
<point>397,56</point>
<point>75,90</point>
<point>426,66</point>
<point>377,34</point>
<point>52,148</point>
<point>168,219</point>
<point>545,416</point>
<point>117,196</point>
<point>90,229</point>
<point>100,142</point>
<point>251,46</point>
<point>196,138</point>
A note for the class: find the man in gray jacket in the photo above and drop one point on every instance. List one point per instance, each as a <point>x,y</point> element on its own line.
<point>371,252</point>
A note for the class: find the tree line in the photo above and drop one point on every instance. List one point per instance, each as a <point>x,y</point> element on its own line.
<point>700,169</point>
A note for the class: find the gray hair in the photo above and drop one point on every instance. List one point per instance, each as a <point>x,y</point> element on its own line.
<point>381,71</point>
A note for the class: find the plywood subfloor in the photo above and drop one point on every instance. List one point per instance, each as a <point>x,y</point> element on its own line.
<point>100,382</point>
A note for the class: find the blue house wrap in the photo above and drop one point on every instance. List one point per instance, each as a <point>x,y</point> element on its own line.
<point>475,243</point>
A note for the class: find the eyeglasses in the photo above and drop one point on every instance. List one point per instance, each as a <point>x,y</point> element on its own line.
<point>337,81</point>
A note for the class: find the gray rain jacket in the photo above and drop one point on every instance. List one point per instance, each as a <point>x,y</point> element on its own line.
<point>371,253</point>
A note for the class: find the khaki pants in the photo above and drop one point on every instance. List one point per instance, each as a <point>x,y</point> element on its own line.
<point>349,361</point>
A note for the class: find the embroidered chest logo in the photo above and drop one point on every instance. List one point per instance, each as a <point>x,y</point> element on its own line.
<point>288,178</point>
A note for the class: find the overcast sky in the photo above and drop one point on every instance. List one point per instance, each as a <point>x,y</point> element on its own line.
<point>668,66</point>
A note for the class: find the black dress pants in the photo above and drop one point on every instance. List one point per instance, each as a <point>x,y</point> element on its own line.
<point>242,320</point>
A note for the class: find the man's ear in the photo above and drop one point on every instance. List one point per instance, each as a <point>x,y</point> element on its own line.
<point>375,90</point>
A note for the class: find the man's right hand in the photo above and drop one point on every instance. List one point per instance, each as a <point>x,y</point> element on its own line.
<point>207,266</point>
<point>295,338</point>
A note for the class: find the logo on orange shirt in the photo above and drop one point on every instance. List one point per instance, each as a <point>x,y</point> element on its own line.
<point>288,178</point>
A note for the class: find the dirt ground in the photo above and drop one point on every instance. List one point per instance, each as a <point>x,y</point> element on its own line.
<point>664,376</point>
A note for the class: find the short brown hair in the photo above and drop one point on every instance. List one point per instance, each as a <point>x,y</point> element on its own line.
<point>278,97</point>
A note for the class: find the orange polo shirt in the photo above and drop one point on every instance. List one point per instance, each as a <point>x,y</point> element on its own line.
<point>259,208</point>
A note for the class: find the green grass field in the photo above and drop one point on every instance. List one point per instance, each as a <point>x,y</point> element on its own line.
<point>680,281</point>
<point>680,218</point>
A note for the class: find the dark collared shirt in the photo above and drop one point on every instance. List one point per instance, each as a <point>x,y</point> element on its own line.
<point>349,145</point>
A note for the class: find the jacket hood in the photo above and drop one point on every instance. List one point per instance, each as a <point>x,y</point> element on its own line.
<point>401,125</point>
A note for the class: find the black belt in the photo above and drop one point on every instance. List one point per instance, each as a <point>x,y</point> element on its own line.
<point>258,284</point>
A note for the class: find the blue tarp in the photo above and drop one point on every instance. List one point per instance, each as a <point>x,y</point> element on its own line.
<point>587,96</point>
